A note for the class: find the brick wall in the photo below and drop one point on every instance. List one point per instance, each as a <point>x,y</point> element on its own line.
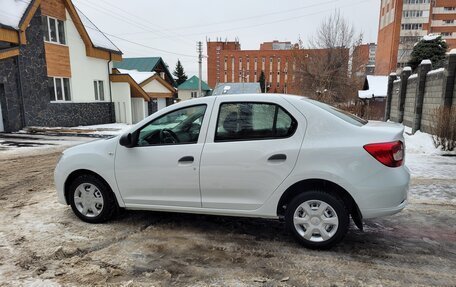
<point>394,115</point>
<point>410,99</point>
<point>432,99</point>
<point>434,88</point>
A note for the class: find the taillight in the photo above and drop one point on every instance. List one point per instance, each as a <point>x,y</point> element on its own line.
<point>390,154</point>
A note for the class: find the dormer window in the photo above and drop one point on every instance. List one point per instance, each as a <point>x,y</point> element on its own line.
<point>54,30</point>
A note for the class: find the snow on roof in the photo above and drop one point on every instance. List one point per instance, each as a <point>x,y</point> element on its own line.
<point>407,68</point>
<point>377,87</point>
<point>12,12</point>
<point>453,52</point>
<point>431,37</point>
<point>98,38</point>
<point>138,76</point>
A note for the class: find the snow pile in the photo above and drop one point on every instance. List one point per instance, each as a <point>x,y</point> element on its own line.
<point>426,62</point>
<point>439,70</point>
<point>12,11</point>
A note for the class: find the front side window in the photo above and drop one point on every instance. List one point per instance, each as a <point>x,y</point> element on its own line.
<point>59,89</point>
<point>253,121</point>
<point>53,30</point>
<point>177,127</point>
<point>98,87</point>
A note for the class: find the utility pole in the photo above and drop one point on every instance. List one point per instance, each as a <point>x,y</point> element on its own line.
<point>199,47</point>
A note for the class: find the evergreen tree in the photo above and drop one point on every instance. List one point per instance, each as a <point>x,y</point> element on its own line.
<point>262,82</point>
<point>430,47</point>
<point>179,73</point>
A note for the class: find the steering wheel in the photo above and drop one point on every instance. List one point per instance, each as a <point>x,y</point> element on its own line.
<point>167,136</point>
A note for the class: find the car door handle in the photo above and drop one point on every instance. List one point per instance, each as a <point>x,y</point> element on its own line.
<point>186,159</point>
<point>278,157</point>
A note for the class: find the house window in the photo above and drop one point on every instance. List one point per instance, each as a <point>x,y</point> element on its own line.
<point>449,8</point>
<point>194,94</point>
<point>59,89</point>
<point>54,30</point>
<point>448,21</point>
<point>98,87</point>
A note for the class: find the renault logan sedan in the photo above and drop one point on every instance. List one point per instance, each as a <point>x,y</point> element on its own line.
<point>269,156</point>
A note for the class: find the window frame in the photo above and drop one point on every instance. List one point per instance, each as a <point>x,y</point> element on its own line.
<point>135,134</point>
<point>64,96</point>
<point>48,39</point>
<point>98,90</point>
<point>278,106</point>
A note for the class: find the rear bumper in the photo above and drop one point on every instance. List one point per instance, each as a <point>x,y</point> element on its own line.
<point>380,212</point>
<point>386,194</point>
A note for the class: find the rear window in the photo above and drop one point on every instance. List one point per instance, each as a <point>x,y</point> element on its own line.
<point>346,116</point>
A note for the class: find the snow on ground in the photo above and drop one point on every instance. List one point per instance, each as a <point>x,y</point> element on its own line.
<point>433,170</point>
<point>20,145</point>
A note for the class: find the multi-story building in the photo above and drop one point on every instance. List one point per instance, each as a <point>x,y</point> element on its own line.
<point>227,63</point>
<point>363,62</point>
<point>402,23</point>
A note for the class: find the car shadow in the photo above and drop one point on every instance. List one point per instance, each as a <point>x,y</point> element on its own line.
<point>374,241</point>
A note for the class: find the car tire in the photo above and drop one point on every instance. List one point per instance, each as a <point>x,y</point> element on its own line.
<point>91,199</point>
<point>317,219</point>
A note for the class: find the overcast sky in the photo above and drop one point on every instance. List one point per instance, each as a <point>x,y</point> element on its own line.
<point>171,28</point>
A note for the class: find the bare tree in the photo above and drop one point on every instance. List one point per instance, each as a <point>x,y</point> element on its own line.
<point>323,68</point>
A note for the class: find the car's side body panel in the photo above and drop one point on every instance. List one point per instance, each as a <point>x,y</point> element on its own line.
<point>96,156</point>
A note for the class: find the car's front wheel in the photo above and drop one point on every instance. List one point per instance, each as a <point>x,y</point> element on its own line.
<point>317,219</point>
<point>91,199</point>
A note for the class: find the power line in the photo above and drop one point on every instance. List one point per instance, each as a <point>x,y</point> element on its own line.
<point>245,18</point>
<point>121,17</point>
<point>145,20</point>
<point>265,23</point>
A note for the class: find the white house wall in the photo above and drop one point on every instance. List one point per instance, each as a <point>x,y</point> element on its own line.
<point>138,111</point>
<point>84,69</point>
<point>122,103</point>
<point>184,94</point>
<point>155,87</point>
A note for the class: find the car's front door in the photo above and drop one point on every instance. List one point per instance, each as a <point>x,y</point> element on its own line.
<point>163,168</point>
<point>250,149</point>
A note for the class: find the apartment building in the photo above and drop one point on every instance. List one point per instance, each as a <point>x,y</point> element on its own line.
<point>402,23</point>
<point>228,63</point>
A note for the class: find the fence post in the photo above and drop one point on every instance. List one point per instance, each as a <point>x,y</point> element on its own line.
<point>389,95</point>
<point>424,67</point>
<point>405,74</point>
<point>448,82</point>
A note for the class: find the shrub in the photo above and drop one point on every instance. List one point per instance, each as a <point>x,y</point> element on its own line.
<point>444,128</point>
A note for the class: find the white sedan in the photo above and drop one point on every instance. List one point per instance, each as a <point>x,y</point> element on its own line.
<point>269,156</point>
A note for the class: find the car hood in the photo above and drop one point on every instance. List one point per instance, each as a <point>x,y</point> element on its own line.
<point>94,146</point>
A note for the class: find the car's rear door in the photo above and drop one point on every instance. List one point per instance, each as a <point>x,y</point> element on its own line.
<point>251,147</point>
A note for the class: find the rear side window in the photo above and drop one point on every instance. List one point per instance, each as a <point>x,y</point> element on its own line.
<point>346,116</point>
<point>253,121</point>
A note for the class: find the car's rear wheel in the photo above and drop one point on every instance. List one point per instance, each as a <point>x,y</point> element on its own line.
<point>317,219</point>
<point>91,199</point>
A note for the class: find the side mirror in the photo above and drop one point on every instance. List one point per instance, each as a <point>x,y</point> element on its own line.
<point>126,140</point>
